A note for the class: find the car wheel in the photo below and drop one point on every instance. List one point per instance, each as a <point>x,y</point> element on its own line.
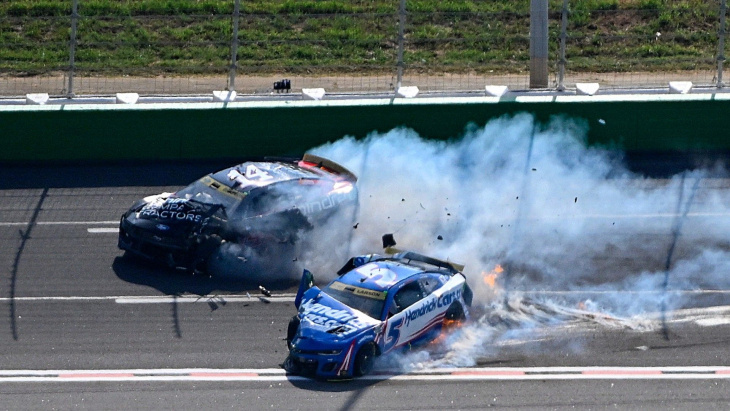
<point>199,268</point>
<point>455,312</point>
<point>364,360</point>
<point>203,252</point>
<point>291,366</point>
<point>291,331</point>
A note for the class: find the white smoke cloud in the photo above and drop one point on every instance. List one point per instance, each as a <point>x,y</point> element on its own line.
<point>559,215</point>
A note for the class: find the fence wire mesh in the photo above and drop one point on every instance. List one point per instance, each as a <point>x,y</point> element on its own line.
<point>155,47</point>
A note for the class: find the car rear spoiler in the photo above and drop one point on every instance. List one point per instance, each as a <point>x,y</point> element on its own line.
<point>323,162</point>
<point>410,255</point>
<point>389,246</point>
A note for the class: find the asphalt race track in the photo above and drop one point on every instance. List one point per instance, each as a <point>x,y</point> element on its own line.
<point>85,328</point>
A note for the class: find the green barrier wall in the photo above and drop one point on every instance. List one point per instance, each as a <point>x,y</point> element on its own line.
<point>208,131</point>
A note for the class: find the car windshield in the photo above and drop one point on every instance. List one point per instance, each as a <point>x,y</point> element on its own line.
<point>204,192</point>
<point>368,301</point>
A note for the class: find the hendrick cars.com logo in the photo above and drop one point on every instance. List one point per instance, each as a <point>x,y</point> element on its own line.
<point>428,306</point>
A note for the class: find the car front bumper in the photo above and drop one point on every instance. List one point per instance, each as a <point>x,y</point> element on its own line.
<point>152,246</point>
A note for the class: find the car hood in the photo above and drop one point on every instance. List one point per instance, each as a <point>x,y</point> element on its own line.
<point>166,209</point>
<point>323,318</point>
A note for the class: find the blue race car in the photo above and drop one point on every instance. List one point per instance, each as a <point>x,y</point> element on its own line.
<point>378,304</point>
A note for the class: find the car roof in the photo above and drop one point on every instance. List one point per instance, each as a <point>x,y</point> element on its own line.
<point>380,275</point>
<point>269,172</point>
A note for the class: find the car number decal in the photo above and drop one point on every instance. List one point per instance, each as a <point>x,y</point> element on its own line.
<point>252,175</point>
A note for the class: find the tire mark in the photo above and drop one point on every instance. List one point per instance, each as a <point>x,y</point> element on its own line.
<point>521,212</point>
<point>176,317</point>
<point>681,216</point>
<point>24,237</point>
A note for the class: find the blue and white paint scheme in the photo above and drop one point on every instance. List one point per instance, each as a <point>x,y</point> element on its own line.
<point>378,304</point>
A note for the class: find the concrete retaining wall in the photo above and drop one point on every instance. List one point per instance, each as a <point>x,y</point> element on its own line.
<point>145,132</point>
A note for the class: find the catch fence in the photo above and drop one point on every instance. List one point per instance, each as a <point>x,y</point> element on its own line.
<point>151,47</point>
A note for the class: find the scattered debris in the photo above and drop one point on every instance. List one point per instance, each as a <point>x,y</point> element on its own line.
<point>388,240</point>
<point>215,301</point>
<point>576,200</point>
<point>264,291</point>
<point>355,226</point>
<point>439,238</point>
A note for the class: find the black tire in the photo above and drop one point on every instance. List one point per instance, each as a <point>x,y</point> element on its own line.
<point>364,360</point>
<point>291,366</point>
<point>203,252</point>
<point>199,267</point>
<point>455,312</point>
<point>291,330</point>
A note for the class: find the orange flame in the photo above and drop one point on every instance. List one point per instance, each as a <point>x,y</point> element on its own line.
<point>447,327</point>
<point>490,278</point>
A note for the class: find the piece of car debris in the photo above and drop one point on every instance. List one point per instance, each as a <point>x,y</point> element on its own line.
<point>264,291</point>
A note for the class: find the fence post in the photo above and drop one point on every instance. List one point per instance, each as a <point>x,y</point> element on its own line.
<point>721,43</point>
<point>563,35</point>
<point>538,43</point>
<point>72,49</point>
<point>401,41</point>
<point>234,47</point>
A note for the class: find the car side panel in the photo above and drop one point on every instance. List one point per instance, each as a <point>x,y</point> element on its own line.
<point>416,321</point>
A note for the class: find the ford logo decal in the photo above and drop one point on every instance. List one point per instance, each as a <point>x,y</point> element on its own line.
<point>162,227</point>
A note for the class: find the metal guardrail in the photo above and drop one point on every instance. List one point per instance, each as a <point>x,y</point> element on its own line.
<point>409,48</point>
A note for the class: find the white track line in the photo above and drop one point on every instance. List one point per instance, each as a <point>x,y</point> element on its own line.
<point>566,217</point>
<point>289,297</point>
<point>227,299</point>
<point>23,224</point>
<point>459,374</point>
<point>156,299</point>
<point>103,230</point>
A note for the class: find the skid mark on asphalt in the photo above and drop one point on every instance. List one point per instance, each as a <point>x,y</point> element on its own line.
<point>681,213</point>
<point>24,237</point>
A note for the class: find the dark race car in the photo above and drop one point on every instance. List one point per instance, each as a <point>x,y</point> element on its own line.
<point>257,204</point>
<point>378,304</point>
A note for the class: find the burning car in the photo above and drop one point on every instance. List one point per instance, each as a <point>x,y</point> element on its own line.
<point>258,204</point>
<point>378,304</point>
